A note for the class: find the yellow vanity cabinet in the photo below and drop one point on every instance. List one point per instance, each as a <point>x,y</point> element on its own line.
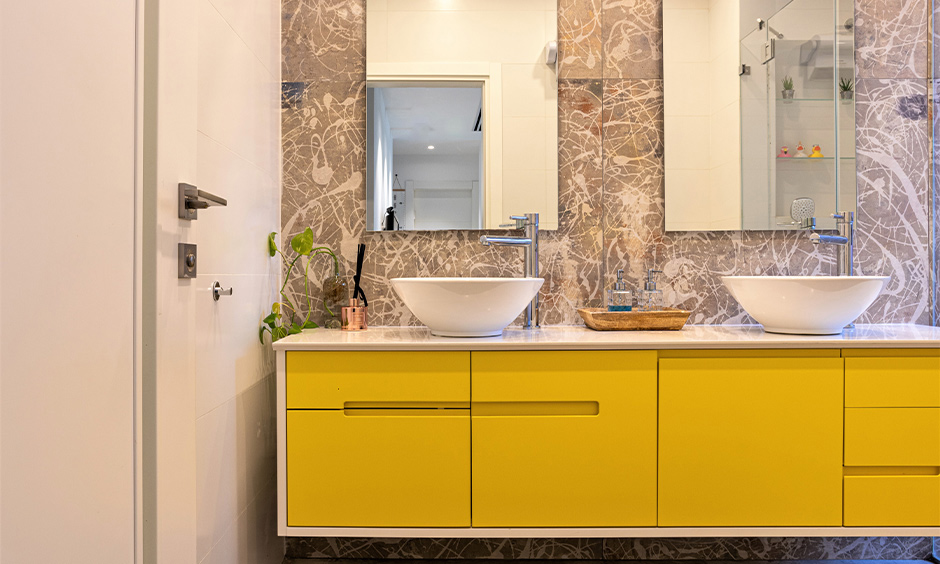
<point>378,439</point>
<point>564,438</point>
<point>892,437</point>
<point>750,438</point>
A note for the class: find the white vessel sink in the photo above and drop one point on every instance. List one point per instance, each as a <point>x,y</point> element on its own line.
<point>805,305</point>
<point>466,307</point>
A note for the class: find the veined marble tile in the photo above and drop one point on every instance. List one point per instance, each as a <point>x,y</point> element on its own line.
<point>633,38</point>
<point>571,256</point>
<point>323,40</point>
<point>702,549</point>
<point>323,187</point>
<point>580,53</point>
<point>935,194</point>
<point>449,549</point>
<point>768,549</point>
<point>894,152</point>
<point>634,212</point>
<point>891,38</point>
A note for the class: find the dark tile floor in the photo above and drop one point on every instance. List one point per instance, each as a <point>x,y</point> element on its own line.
<point>289,560</point>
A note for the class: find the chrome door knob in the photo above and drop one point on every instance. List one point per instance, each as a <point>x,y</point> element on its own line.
<point>218,291</point>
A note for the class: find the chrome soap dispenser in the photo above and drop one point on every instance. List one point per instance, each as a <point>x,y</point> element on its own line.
<point>651,298</point>
<point>620,298</point>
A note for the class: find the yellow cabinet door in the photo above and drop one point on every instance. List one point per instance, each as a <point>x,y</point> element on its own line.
<point>750,441</point>
<point>378,468</point>
<point>564,439</point>
<point>378,439</point>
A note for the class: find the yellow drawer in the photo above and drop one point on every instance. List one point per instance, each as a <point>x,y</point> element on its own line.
<point>892,436</point>
<point>337,380</point>
<point>892,501</point>
<point>893,381</point>
<point>378,468</point>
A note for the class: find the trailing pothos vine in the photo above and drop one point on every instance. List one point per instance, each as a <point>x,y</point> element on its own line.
<point>285,318</point>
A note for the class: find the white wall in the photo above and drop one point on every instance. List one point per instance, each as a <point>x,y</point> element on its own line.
<point>513,34</point>
<point>216,124</point>
<point>441,191</point>
<point>67,210</point>
<point>380,158</point>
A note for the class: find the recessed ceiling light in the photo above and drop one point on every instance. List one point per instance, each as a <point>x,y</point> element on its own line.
<point>430,147</point>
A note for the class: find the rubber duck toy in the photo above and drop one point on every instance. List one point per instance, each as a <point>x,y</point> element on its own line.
<point>784,152</point>
<point>817,153</point>
<point>799,151</point>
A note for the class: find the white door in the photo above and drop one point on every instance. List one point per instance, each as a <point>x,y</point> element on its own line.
<point>67,280</point>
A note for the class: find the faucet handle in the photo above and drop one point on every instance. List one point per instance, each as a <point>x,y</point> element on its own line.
<point>520,221</point>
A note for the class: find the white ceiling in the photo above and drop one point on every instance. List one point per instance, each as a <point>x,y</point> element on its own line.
<point>443,117</point>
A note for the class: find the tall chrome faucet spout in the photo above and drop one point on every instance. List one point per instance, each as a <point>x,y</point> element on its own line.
<point>529,223</point>
<point>845,240</point>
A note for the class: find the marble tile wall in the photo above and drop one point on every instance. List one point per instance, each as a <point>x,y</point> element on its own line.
<point>611,210</point>
<point>611,168</point>
<point>723,549</point>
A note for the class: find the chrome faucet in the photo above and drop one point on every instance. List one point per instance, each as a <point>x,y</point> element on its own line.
<point>845,222</point>
<point>529,223</point>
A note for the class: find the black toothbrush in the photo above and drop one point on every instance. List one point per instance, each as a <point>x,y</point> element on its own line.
<point>357,290</point>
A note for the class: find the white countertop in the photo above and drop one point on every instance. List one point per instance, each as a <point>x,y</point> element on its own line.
<point>574,338</point>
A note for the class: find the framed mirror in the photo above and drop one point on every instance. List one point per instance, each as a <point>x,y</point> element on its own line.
<point>759,113</point>
<point>462,113</point>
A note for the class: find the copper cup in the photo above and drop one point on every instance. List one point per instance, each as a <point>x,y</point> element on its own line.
<point>354,316</point>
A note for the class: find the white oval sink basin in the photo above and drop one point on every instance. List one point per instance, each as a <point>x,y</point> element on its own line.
<point>466,307</point>
<point>805,305</point>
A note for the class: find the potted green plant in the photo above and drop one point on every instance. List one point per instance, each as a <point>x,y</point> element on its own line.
<point>846,89</point>
<point>787,88</point>
<point>286,317</point>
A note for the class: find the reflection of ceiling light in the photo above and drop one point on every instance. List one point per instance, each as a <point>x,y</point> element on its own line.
<point>430,147</point>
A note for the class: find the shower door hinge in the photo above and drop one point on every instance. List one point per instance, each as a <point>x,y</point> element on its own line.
<point>744,70</point>
<point>769,51</point>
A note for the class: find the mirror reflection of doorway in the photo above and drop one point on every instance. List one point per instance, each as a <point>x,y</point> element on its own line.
<point>425,157</point>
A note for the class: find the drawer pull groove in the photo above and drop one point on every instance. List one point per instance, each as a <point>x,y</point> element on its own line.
<point>533,408</point>
<point>891,471</point>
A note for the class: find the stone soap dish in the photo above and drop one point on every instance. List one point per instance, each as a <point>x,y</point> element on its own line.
<point>667,319</point>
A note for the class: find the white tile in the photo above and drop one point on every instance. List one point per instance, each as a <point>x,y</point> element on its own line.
<point>233,239</point>
<point>686,199</point>
<point>229,358</point>
<point>376,6</point>
<point>252,538</point>
<point>687,143</point>
<point>527,88</point>
<point>257,431</point>
<point>725,196</point>
<point>686,89</point>
<point>258,24</point>
<point>466,5</point>
<point>524,141</point>
<point>685,5</point>
<point>724,83</point>
<point>376,37</point>
<point>238,97</point>
<point>451,36</point>
<point>723,25</point>
<point>216,475</point>
<point>527,194</point>
<point>685,36</point>
<point>725,136</point>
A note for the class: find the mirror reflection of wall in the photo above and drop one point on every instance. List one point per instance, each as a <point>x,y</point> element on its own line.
<point>760,116</point>
<point>442,48</point>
